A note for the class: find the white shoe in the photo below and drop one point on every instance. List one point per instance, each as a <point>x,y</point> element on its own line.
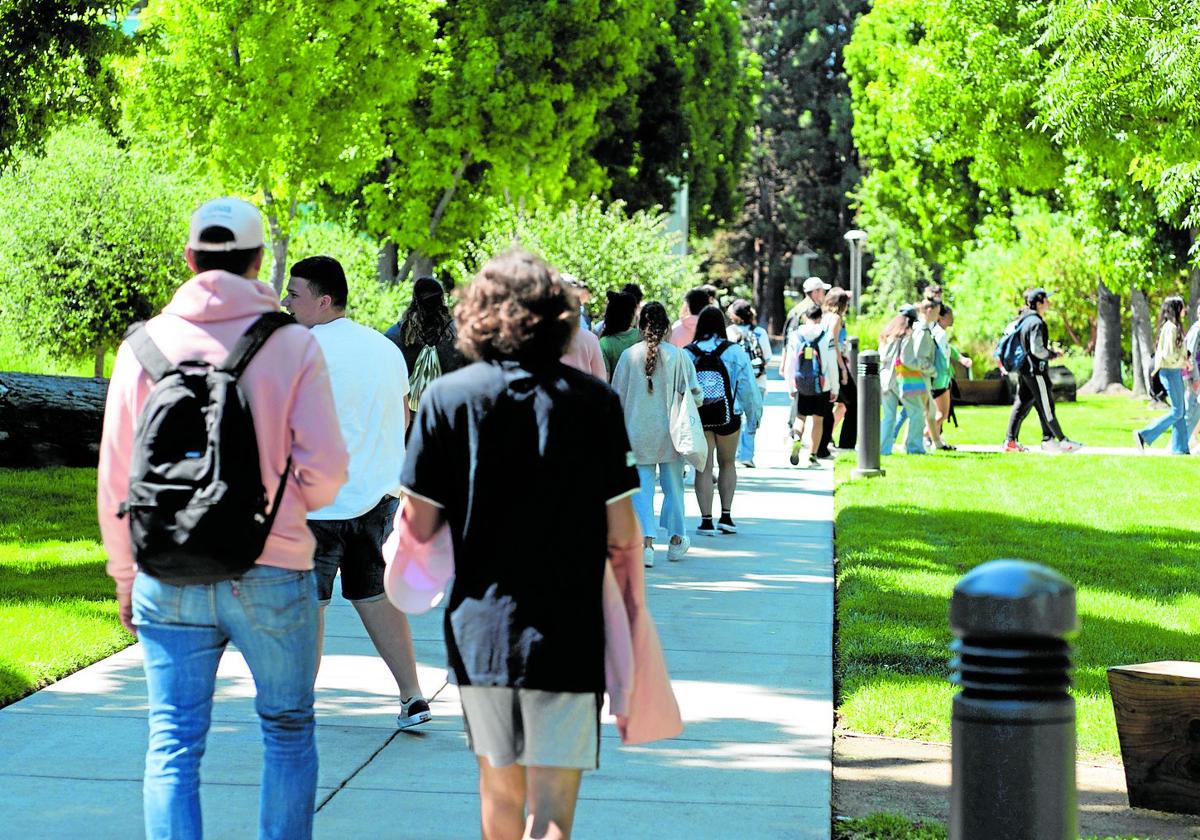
<point>675,551</point>
<point>1066,445</point>
<point>1052,445</point>
<point>648,557</point>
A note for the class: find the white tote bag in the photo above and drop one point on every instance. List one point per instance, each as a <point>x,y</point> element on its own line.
<point>687,432</point>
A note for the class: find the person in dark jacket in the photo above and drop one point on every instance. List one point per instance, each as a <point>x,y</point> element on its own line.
<point>427,321</point>
<point>1033,379</point>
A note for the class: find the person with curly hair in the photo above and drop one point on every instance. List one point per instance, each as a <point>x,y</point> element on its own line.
<point>649,377</point>
<point>527,462</point>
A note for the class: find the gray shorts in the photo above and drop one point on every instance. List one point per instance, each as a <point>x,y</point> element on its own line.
<point>532,728</point>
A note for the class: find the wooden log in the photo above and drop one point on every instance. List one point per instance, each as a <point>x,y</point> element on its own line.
<point>1157,705</point>
<point>50,420</point>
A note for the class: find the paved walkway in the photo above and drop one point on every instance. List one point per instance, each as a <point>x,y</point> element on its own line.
<point>746,621</point>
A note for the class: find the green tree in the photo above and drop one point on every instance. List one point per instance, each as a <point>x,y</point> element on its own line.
<point>282,101</point>
<point>52,63</point>
<point>92,241</point>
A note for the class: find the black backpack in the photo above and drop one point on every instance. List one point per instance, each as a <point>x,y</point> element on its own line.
<point>197,506</point>
<point>749,342</point>
<point>717,409</point>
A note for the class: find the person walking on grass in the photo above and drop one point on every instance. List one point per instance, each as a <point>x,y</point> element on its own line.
<point>901,381</point>
<point>1191,345</point>
<point>914,380</point>
<point>813,381</point>
<point>649,378</point>
<point>514,435</point>
<point>214,339</point>
<point>1033,379</point>
<point>619,333</point>
<point>370,390</point>
<point>745,331</point>
<point>730,401</point>
<point>1170,362</point>
<point>947,354</point>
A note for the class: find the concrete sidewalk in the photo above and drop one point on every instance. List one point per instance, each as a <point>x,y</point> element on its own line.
<point>746,621</point>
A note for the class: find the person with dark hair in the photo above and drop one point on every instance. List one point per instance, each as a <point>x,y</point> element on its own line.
<point>745,331</point>
<point>635,291</point>
<point>373,413</point>
<point>649,378</point>
<point>730,401</point>
<point>932,291</point>
<point>583,353</point>
<point>897,352</point>
<point>684,330</point>
<point>843,411</point>
<point>1191,346</point>
<point>1170,358</point>
<point>426,337</point>
<point>185,623</point>
<point>517,435</point>
<point>1033,379</point>
<point>813,381</point>
<point>944,374</point>
<point>619,333</point>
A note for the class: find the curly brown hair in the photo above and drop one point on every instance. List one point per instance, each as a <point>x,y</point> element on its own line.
<point>515,308</point>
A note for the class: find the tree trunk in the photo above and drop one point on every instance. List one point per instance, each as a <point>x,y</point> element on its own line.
<point>50,420</point>
<point>279,239</point>
<point>1106,363</point>
<point>1143,343</point>
<point>98,367</point>
<point>417,264</point>
<point>386,268</point>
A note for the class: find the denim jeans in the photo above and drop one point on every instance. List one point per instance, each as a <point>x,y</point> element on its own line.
<point>270,614</point>
<point>1176,418</point>
<point>670,477</point>
<point>745,450</point>
<point>914,441</point>
<point>1193,409</point>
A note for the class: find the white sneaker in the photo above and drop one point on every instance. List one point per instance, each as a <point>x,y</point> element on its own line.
<point>675,551</point>
<point>648,557</point>
<point>1052,445</point>
<point>1066,445</point>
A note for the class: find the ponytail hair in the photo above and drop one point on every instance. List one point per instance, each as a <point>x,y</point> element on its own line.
<point>654,325</point>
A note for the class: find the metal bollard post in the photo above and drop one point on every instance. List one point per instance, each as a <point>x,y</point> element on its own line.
<point>852,353</point>
<point>1013,728</point>
<point>868,416</point>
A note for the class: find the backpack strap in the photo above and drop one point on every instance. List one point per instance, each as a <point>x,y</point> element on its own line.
<point>252,341</point>
<point>147,353</point>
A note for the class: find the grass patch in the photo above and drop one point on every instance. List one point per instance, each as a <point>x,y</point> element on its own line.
<point>19,358</point>
<point>57,610</point>
<point>1123,529</point>
<point>1095,420</point>
<point>887,827</point>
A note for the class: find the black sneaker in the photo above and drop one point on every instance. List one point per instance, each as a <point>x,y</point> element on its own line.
<point>725,525</point>
<point>707,529</point>
<point>413,712</point>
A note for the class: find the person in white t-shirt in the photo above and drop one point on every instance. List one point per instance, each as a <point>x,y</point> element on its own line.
<point>370,385</point>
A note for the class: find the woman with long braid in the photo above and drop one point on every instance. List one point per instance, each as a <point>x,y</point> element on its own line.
<point>648,378</point>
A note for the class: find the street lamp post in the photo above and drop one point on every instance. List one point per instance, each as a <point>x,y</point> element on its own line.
<point>855,238</point>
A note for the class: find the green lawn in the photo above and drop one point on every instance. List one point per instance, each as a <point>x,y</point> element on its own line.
<point>57,610</point>
<point>1092,420</point>
<point>1123,528</point>
<point>17,357</point>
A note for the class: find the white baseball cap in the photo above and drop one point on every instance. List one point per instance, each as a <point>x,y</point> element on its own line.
<point>814,283</point>
<point>239,217</point>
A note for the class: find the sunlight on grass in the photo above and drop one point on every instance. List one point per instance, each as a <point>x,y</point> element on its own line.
<point>1121,528</point>
<point>1095,420</point>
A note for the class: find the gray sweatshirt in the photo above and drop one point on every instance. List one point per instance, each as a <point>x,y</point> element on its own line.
<point>648,412</point>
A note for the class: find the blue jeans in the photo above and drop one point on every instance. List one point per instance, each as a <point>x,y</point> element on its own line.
<point>1176,418</point>
<point>914,442</point>
<point>1193,410</point>
<point>670,478</point>
<point>745,450</point>
<point>271,615</point>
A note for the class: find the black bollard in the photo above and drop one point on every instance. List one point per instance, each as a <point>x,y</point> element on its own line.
<point>868,416</point>
<point>1013,728</point>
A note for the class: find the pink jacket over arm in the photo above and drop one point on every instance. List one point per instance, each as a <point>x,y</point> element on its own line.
<point>287,387</point>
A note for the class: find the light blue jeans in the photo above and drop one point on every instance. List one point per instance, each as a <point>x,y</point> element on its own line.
<point>270,614</point>
<point>1193,409</point>
<point>670,478</point>
<point>914,442</point>
<point>745,450</point>
<point>1176,418</point>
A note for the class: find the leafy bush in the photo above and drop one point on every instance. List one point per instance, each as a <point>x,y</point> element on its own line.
<point>92,241</point>
<point>603,246</point>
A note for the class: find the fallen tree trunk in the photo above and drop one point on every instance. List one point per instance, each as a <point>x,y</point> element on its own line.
<point>50,420</point>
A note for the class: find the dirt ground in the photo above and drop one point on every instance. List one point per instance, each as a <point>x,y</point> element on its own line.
<point>873,774</point>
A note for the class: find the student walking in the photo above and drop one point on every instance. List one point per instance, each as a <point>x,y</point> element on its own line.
<point>842,416</point>
<point>745,331</point>
<point>182,589</point>
<point>730,401</point>
<point>901,381</point>
<point>813,381</point>
<point>1191,344</point>
<point>694,302</point>
<point>619,333</point>
<point>504,441</point>
<point>1033,378</point>
<point>914,379</point>
<point>649,378</point>
<point>373,414</point>
<point>1170,359</point>
<point>943,375</point>
<point>425,335</point>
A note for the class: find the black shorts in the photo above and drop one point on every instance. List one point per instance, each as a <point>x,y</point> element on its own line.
<point>354,546</point>
<point>732,427</point>
<point>937,392</point>
<point>812,405</point>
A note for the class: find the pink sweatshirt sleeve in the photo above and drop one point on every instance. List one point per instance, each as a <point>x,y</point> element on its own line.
<point>596,360</point>
<point>319,456</point>
<point>112,481</point>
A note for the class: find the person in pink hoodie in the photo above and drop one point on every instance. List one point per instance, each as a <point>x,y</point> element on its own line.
<point>270,612</point>
<point>684,330</point>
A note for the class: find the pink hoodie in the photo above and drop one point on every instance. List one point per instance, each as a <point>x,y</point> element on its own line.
<point>583,353</point>
<point>287,386</point>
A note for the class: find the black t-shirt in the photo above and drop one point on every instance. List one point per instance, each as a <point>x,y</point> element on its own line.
<point>523,465</point>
